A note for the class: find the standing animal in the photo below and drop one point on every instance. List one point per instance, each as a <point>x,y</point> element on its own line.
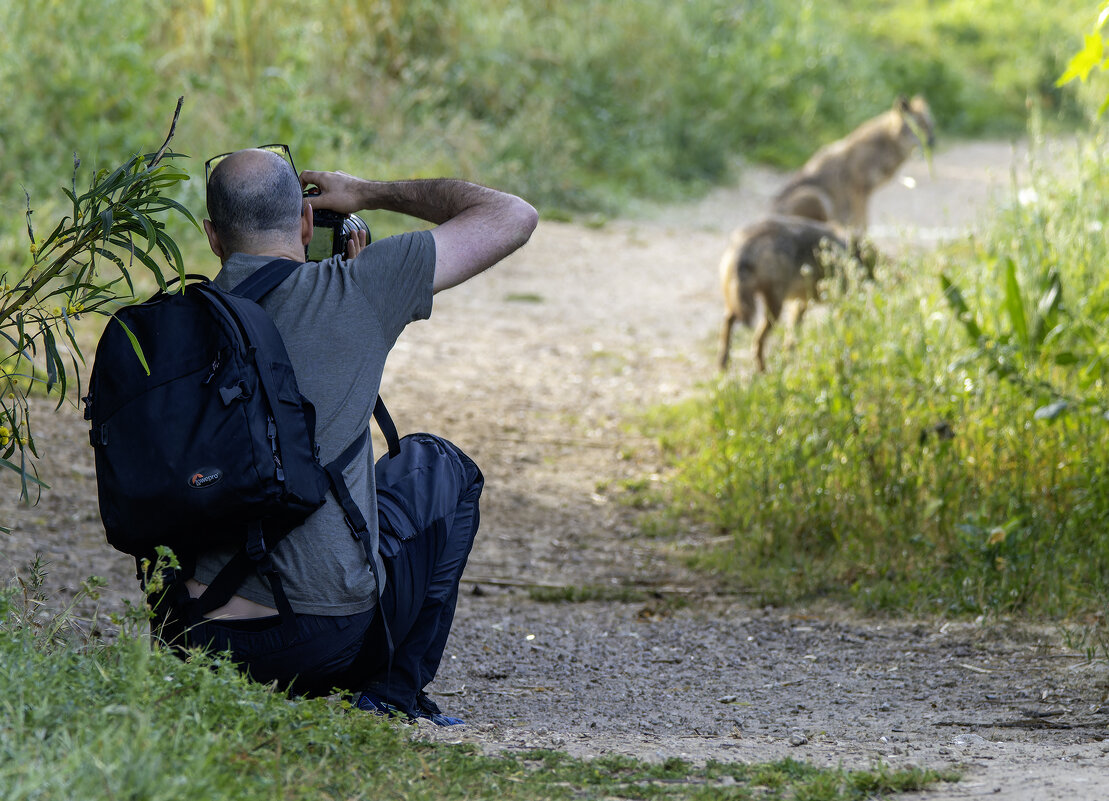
<point>779,258</point>
<point>835,185</point>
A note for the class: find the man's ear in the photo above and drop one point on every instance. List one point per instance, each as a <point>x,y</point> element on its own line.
<point>306,224</point>
<point>213,240</point>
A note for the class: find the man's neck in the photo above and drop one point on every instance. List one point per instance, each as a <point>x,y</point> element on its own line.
<point>272,253</point>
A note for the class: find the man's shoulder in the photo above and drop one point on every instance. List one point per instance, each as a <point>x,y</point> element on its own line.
<point>397,250</point>
<point>403,260</point>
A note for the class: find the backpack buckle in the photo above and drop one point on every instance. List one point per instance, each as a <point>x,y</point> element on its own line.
<point>256,548</point>
<point>233,393</point>
<point>255,542</point>
<point>355,531</point>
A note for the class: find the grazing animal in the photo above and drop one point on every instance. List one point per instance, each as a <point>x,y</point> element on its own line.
<point>835,185</point>
<point>779,258</point>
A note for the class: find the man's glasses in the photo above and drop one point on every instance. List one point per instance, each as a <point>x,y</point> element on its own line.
<point>279,149</point>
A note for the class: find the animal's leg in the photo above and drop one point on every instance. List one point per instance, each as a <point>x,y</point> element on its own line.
<point>773,310</point>
<point>726,339</point>
<point>773,304</point>
<point>798,312</point>
<point>761,334</point>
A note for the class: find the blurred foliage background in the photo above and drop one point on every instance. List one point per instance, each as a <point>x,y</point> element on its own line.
<point>577,105</point>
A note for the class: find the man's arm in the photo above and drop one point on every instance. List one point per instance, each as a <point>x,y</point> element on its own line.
<point>475,226</point>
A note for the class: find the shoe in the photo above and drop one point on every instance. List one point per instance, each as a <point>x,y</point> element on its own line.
<point>376,705</point>
<point>426,708</point>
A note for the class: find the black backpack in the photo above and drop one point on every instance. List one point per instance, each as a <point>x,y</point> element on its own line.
<point>206,441</point>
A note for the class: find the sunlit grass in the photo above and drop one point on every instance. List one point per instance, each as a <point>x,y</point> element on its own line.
<point>892,461</point>
<point>81,718</point>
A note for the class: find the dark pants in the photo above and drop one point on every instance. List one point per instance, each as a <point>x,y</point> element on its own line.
<point>428,516</point>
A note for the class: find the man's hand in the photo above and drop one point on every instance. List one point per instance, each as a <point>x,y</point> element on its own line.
<point>338,191</point>
<point>475,226</point>
<point>356,242</point>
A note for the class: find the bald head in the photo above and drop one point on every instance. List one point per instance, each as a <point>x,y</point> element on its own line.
<point>255,201</point>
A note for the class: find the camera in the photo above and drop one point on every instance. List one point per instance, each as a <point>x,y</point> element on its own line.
<point>331,231</point>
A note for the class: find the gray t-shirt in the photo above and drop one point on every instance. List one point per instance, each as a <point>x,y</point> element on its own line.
<point>339,319</point>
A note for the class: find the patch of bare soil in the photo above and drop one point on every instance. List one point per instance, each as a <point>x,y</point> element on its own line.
<point>532,368</point>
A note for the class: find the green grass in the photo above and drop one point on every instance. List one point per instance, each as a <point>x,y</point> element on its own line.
<point>89,719</point>
<point>904,457</point>
<point>523,297</point>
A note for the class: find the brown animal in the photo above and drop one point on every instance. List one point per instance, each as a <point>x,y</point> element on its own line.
<point>835,185</point>
<point>779,258</point>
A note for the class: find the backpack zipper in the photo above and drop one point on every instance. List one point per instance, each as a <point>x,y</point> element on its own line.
<point>215,367</point>
<point>271,434</point>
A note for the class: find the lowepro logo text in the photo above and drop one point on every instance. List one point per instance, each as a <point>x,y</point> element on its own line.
<point>205,478</point>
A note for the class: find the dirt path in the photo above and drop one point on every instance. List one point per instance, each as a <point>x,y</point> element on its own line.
<point>531,368</point>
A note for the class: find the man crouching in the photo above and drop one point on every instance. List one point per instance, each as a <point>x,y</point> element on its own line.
<point>379,632</point>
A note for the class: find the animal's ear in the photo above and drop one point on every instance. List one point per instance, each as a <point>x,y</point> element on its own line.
<point>902,104</point>
<point>918,103</point>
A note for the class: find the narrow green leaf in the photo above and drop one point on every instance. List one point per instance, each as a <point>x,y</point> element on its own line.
<point>142,219</point>
<point>134,344</point>
<point>19,348</point>
<point>173,205</point>
<point>77,369</point>
<point>52,357</point>
<point>1014,304</point>
<point>959,305</point>
<point>1047,310</point>
<point>111,255</point>
<point>1085,60</point>
<point>172,253</point>
<point>107,217</point>
<point>15,468</point>
<point>148,262</point>
<point>125,274</point>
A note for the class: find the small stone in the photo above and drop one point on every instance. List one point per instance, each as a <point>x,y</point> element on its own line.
<point>970,739</point>
<point>797,738</point>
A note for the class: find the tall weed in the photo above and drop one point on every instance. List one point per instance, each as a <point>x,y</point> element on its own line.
<point>891,460</point>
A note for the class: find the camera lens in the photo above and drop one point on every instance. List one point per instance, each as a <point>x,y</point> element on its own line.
<point>355,223</point>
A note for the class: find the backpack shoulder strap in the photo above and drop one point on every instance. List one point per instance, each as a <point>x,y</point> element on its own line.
<point>387,426</point>
<point>266,278</point>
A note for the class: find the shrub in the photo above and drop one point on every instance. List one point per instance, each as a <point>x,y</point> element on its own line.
<point>911,452</point>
